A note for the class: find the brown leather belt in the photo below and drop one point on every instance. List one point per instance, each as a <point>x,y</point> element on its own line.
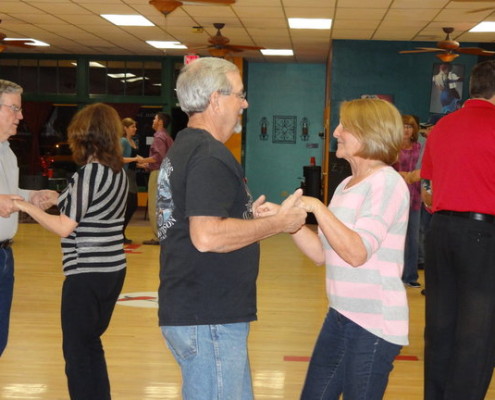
<point>470,215</point>
<point>6,244</point>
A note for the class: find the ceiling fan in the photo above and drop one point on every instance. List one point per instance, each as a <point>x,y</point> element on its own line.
<point>220,45</point>
<point>18,43</point>
<point>167,6</point>
<point>449,49</point>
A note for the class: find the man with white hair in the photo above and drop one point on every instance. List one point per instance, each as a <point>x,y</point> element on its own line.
<point>10,116</point>
<point>209,237</point>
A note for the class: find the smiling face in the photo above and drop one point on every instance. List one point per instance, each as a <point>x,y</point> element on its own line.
<point>233,105</point>
<point>9,119</point>
<point>348,144</point>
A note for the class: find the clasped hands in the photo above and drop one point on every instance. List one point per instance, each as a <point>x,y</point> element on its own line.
<point>11,203</point>
<point>293,209</point>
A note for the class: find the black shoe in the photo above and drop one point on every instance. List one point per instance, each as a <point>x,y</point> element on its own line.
<point>413,284</point>
<point>421,266</point>
<point>152,242</point>
<point>127,241</point>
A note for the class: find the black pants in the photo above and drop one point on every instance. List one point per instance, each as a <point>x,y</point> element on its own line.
<point>88,301</point>
<point>460,308</point>
<point>131,206</point>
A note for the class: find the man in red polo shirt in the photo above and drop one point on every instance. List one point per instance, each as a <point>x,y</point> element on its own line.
<point>459,160</point>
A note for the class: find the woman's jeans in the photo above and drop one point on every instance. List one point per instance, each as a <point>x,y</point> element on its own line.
<point>348,360</point>
<point>88,301</point>
<point>411,251</point>
<point>6,293</point>
<point>213,360</point>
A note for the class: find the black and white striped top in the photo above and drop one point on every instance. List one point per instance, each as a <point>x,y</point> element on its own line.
<point>96,199</point>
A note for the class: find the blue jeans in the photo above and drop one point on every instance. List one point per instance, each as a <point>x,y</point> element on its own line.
<point>6,293</point>
<point>348,360</point>
<point>213,360</point>
<point>411,251</point>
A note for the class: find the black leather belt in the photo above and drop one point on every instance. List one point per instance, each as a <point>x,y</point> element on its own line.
<point>470,215</point>
<point>6,244</point>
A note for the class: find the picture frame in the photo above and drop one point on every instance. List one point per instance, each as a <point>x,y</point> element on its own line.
<point>446,88</point>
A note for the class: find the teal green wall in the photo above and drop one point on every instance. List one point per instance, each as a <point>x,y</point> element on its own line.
<point>275,169</point>
<point>358,67</point>
<point>376,67</point>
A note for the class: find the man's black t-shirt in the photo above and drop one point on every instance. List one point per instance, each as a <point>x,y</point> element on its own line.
<point>201,177</point>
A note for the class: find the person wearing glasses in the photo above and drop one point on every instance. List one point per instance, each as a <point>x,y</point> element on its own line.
<point>209,256</point>
<point>10,116</point>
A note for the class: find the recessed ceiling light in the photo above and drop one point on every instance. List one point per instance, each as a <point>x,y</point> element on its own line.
<point>277,52</point>
<point>166,45</point>
<point>127,20</point>
<point>32,42</point>
<point>486,26</point>
<point>310,23</point>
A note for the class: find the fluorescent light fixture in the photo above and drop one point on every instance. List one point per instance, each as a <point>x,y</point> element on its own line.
<point>486,26</point>
<point>277,52</point>
<point>33,42</point>
<point>122,75</point>
<point>127,20</point>
<point>92,64</point>
<point>136,79</point>
<point>310,23</point>
<point>166,45</point>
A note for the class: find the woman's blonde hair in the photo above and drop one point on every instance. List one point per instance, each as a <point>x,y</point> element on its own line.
<point>94,132</point>
<point>377,124</point>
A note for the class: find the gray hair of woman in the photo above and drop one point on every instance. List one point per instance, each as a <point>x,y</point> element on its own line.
<point>198,80</point>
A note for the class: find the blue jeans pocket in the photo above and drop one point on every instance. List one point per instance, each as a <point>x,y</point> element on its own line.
<point>181,340</point>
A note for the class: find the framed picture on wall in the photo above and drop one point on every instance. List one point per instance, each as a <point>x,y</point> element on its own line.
<point>446,88</point>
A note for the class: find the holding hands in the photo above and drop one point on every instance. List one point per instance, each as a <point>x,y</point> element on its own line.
<point>7,204</point>
<point>291,214</point>
<point>44,199</point>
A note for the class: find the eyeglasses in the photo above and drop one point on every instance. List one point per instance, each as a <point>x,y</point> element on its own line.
<point>13,108</point>
<point>241,95</point>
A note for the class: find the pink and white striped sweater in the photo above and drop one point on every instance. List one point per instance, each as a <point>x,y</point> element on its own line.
<point>372,295</point>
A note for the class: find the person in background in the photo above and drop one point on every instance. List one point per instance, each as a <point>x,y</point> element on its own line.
<point>10,115</point>
<point>409,166</point>
<point>90,224</point>
<point>426,194</point>
<point>162,142</point>
<point>459,161</point>
<point>129,151</point>
<point>209,255</point>
<point>360,239</point>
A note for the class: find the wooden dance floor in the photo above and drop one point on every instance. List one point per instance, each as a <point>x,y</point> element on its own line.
<point>291,307</point>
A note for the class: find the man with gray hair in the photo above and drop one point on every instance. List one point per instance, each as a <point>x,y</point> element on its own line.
<point>209,237</point>
<point>10,116</point>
